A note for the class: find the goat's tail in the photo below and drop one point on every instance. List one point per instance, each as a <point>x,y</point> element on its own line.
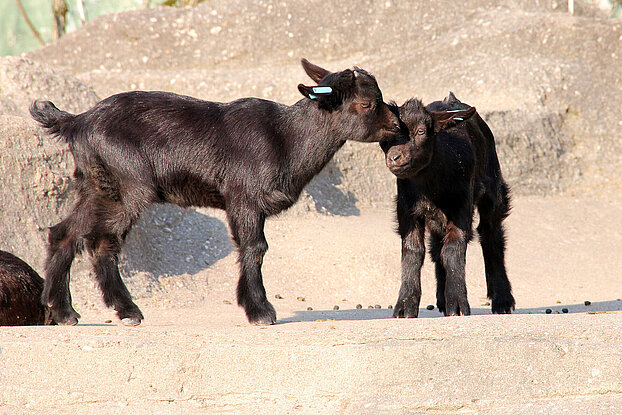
<point>50,117</point>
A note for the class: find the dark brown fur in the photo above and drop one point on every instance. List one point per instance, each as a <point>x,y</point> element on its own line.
<point>20,293</point>
<point>446,164</point>
<point>251,157</point>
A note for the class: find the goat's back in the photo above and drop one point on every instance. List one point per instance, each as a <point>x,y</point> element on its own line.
<point>157,132</point>
<point>20,293</point>
<point>475,130</point>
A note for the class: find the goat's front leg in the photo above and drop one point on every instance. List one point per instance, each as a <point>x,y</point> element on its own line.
<point>247,230</point>
<point>413,253</point>
<point>453,260</point>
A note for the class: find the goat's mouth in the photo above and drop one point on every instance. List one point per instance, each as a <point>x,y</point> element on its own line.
<point>391,129</point>
<point>401,171</point>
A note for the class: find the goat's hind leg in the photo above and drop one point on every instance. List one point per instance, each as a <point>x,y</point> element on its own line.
<point>492,240</point>
<point>64,244</point>
<point>436,244</point>
<point>104,245</point>
<point>105,251</point>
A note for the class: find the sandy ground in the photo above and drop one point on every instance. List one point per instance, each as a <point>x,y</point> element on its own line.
<point>203,357</point>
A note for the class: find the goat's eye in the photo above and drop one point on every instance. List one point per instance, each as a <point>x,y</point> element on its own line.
<point>421,131</point>
<point>366,104</point>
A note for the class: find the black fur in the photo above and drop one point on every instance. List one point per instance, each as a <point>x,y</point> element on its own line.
<point>251,157</point>
<point>20,291</point>
<point>447,165</point>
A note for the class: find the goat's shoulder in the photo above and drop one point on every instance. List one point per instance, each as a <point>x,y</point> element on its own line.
<point>254,103</point>
<point>258,109</point>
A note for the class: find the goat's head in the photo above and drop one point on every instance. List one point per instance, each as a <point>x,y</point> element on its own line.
<point>354,96</point>
<point>412,149</point>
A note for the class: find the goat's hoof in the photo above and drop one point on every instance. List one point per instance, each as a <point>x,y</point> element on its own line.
<point>503,305</point>
<point>406,309</point>
<point>130,316</point>
<point>462,310</point>
<point>504,310</point>
<point>70,321</point>
<point>457,304</point>
<point>69,318</point>
<point>264,322</point>
<point>264,317</point>
<point>131,321</point>
<point>440,305</point>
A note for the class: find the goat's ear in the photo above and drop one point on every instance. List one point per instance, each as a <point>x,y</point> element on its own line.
<point>315,92</point>
<point>446,119</point>
<point>451,98</point>
<point>315,72</point>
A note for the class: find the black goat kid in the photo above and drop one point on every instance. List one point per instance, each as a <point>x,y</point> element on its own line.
<point>446,164</point>
<point>250,157</point>
<point>20,293</point>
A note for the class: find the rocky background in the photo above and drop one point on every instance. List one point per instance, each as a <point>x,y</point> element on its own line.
<point>548,83</point>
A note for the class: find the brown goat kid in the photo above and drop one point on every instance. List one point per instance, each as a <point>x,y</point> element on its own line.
<point>446,165</point>
<point>250,157</point>
<point>20,294</point>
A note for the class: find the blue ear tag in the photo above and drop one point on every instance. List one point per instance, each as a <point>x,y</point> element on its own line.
<point>311,96</point>
<point>323,90</point>
<point>454,111</point>
<point>458,119</point>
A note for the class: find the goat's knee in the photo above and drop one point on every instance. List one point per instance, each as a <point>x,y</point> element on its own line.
<point>251,255</point>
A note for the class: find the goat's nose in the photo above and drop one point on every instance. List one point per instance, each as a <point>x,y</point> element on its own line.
<point>395,157</point>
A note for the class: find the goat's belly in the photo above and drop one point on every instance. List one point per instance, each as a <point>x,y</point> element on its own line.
<point>190,194</point>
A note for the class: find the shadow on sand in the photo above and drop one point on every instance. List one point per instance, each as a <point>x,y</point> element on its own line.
<point>168,240</point>
<point>379,314</point>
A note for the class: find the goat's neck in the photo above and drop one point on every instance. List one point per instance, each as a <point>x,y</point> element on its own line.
<point>316,138</point>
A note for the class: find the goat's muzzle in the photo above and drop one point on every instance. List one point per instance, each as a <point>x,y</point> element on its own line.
<point>398,162</point>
